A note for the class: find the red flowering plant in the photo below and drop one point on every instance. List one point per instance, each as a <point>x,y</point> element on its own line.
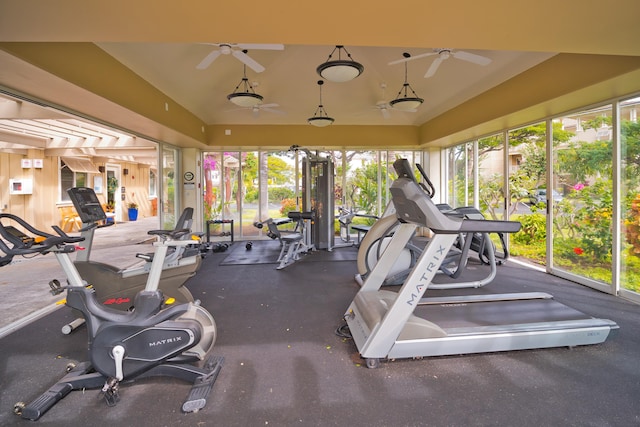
<point>594,219</point>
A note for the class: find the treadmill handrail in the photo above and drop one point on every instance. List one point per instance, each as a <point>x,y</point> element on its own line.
<point>414,206</point>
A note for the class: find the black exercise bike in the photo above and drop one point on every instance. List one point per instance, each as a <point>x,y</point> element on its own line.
<point>151,340</point>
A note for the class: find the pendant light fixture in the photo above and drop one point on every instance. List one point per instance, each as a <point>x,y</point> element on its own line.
<point>320,117</point>
<point>403,101</point>
<point>340,70</point>
<point>247,97</point>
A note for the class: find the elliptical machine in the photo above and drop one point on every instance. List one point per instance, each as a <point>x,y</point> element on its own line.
<point>380,234</point>
<point>151,340</point>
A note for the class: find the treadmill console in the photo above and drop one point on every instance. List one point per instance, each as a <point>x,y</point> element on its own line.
<point>403,169</point>
<point>87,204</point>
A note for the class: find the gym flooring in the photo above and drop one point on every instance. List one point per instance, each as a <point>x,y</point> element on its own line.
<point>287,365</point>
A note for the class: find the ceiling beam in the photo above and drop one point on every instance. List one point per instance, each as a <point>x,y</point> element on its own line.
<point>22,139</point>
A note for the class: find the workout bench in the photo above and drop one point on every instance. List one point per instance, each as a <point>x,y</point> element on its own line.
<point>292,243</point>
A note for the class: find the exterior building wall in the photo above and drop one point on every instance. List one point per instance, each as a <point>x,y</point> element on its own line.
<point>42,207</point>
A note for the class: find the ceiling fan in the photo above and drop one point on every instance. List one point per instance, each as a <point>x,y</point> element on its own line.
<point>239,52</point>
<point>384,106</point>
<point>255,110</point>
<point>444,54</point>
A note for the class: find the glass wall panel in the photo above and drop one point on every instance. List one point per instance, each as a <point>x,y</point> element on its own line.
<point>459,175</point>
<point>361,190</point>
<point>630,195</point>
<point>527,170</point>
<point>581,194</point>
<point>169,196</point>
<point>491,176</point>
<point>252,186</point>
<point>212,176</point>
<point>223,192</point>
<point>278,169</point>
<point>247,191</point>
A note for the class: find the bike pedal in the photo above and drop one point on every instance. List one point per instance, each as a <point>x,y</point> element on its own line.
<point>201,388</point>
<point>111,398</point>
<point>56,287</point>
<point>110,392</point>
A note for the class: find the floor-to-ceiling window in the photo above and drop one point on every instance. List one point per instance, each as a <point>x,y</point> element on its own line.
<point>527,171</point>
<point>459,174</point>
<point>169,197</point>
<point>232,189</point>
<point>278,184</point>
<point>249,187</point>
<point>629,199</point>
<point>491,176</point>
<point>581,194</point>
<point>573,183</point>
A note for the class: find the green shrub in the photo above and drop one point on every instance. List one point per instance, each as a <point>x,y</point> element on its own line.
<point>251,195</point>
<point>280,193</point>
<point>534,229</point>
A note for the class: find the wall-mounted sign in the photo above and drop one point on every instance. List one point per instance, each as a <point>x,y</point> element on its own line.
<point>188,176</point>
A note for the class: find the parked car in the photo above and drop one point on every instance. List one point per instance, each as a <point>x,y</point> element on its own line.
<point>540,196</point>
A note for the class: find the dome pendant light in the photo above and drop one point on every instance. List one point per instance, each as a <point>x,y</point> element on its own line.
<point>340,70</point>
<point>403,101</point>
<point>246,98</point>
<point>320,117</point>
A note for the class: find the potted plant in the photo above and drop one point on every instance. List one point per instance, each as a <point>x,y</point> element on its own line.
<point>133,211</point>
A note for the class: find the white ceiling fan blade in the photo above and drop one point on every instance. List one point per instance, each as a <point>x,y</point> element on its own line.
<point>261,46</point>
<point>411,58</point>
<point>385,112</point>
<point>434,67</point>
<point>208,60</point>
<point>269,105</point>
<point>255,111</point>
<point>248,61</point>
<point>471,57</point>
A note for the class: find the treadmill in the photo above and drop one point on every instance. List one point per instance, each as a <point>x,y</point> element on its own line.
<point>403,324</point>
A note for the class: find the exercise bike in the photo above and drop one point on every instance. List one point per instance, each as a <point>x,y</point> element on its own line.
<point>151,340</point>
<point>117,287</point>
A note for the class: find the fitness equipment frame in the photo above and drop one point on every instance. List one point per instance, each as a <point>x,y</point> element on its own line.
<point>118,287</point>
<point>384,324</point>
<point>379,236</point>
<point>150,341</point>
<point>294,242</point>
<point>317,198</point>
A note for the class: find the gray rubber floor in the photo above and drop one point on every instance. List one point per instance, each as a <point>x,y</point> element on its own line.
<point>286,366</point>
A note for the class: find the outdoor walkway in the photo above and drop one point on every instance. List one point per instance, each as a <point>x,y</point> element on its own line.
<point>24,284</point>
